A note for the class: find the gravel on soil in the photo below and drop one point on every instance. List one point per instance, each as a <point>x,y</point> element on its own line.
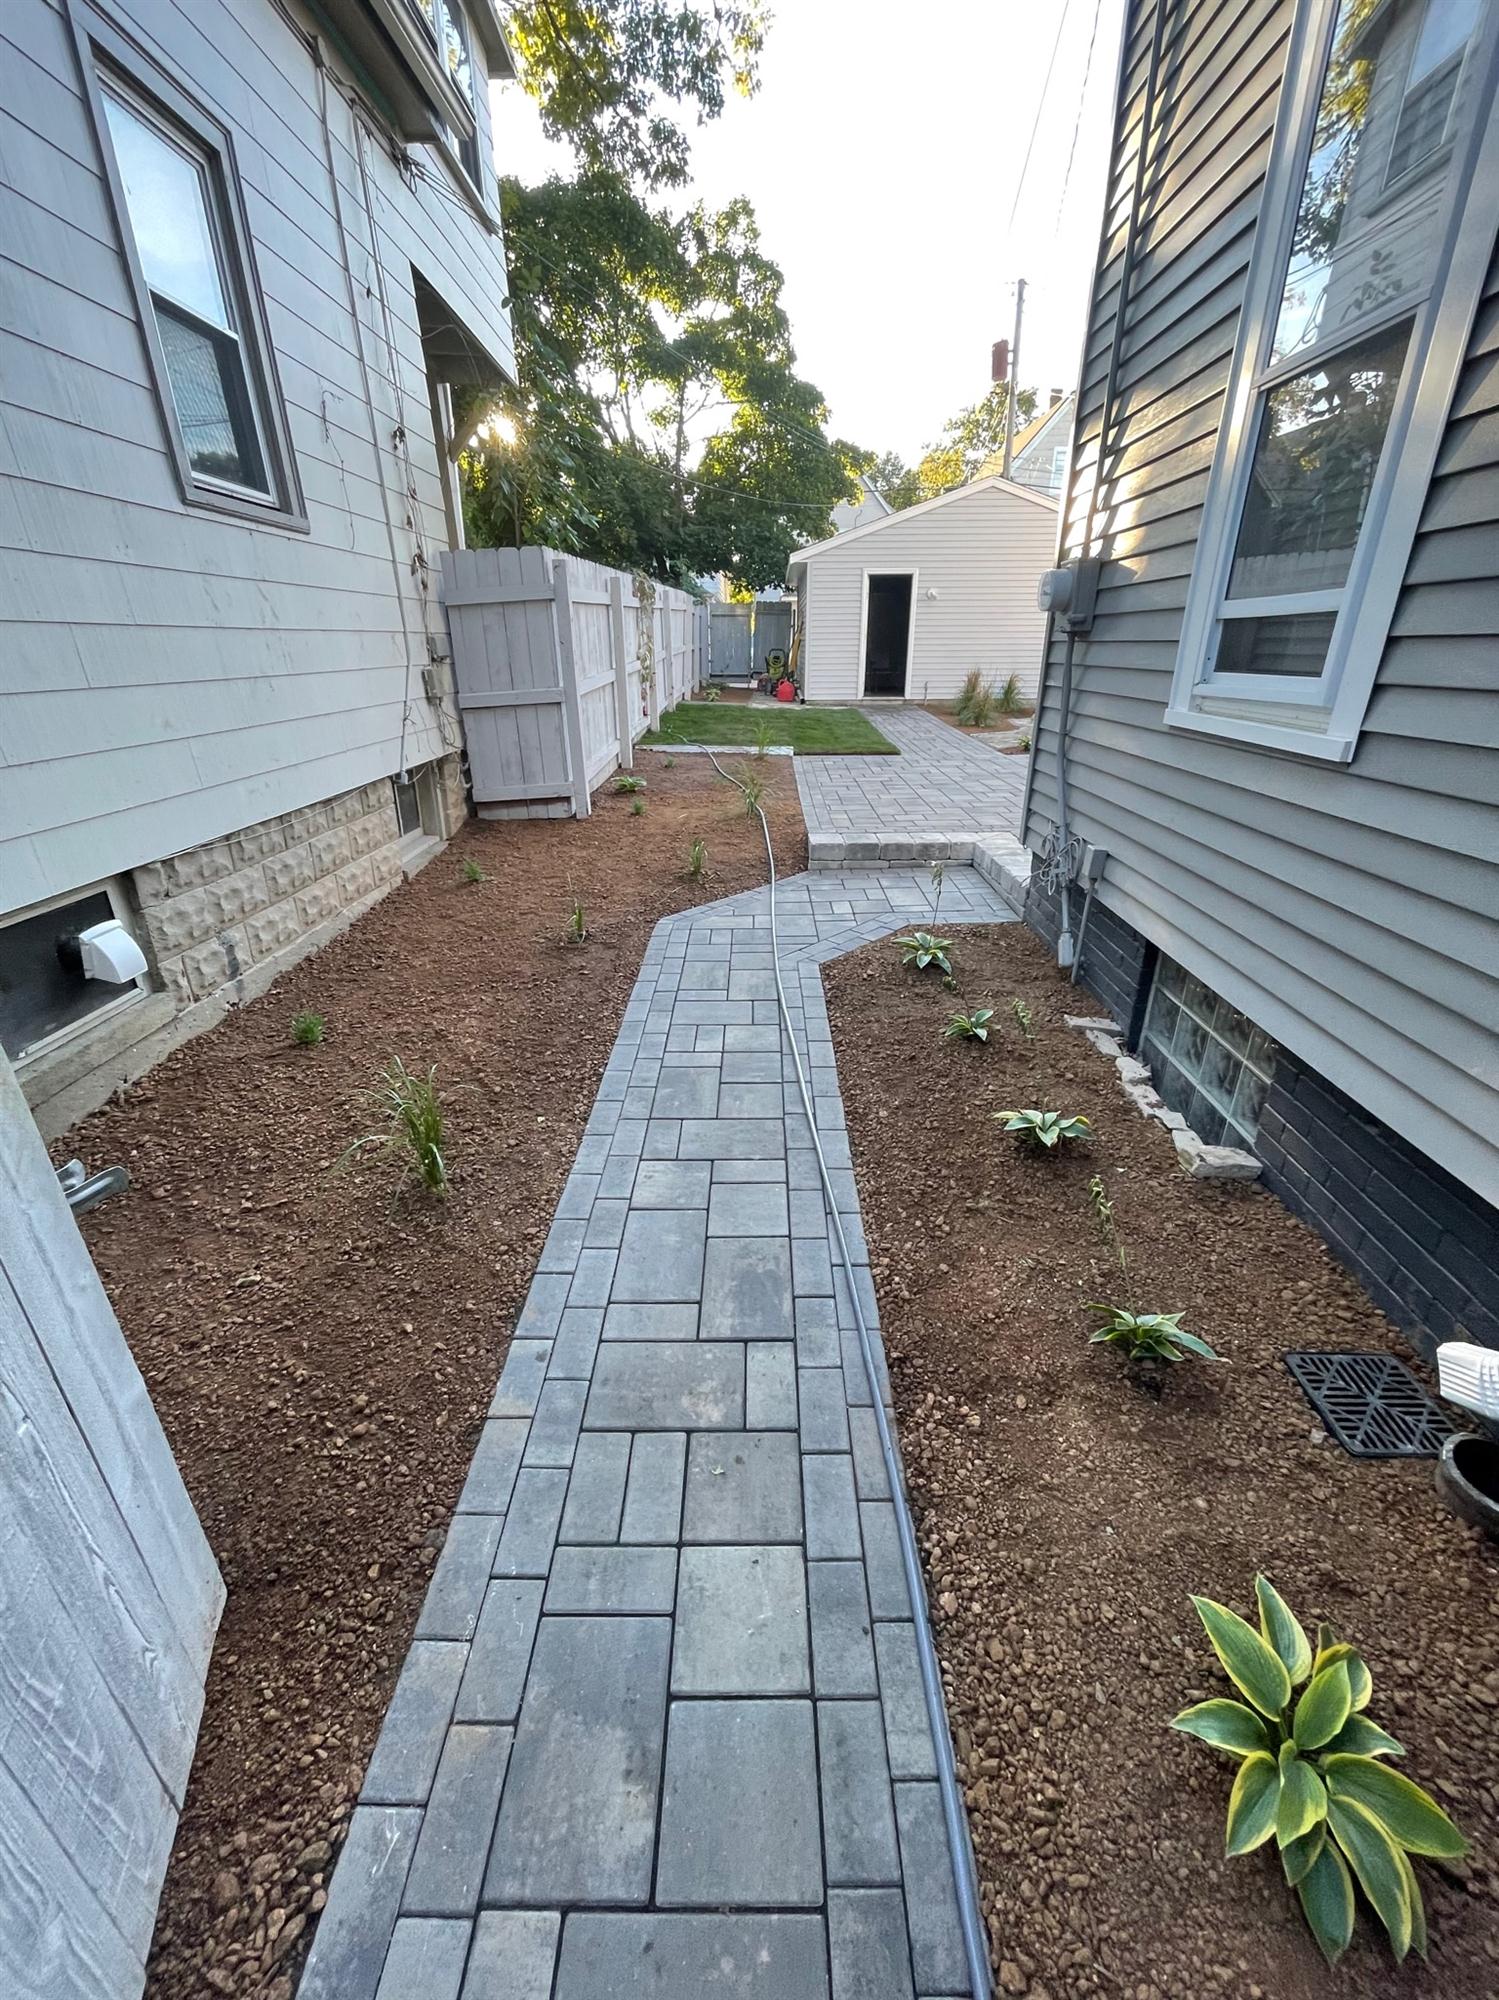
<point>1065,1514</point>
<point>321,1350</point>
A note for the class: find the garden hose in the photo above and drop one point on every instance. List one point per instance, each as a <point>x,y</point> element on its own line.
<point>970,1916</point>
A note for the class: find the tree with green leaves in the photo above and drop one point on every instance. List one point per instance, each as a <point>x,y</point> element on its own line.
<point>967,442</point>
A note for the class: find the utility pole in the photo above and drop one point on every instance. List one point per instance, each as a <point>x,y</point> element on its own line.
<point>1014,377</point>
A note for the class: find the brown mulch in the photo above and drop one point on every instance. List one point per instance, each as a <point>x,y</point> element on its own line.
<point>1066,1513</point>
<point>321,1353</point>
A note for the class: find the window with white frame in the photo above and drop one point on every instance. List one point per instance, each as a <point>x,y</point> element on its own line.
<point>45,995</point>
<point>171,176</point>
<point>1367,268</point>
<point>1209,1061</point>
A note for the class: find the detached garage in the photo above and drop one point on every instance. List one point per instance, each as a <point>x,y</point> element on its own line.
<point>907,606</point>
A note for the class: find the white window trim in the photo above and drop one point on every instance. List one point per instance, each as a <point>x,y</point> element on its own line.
<point>1322,718</point>
<point>862,664</point>
<point>140,988</point>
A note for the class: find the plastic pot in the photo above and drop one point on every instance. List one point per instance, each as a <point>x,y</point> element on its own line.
<point>1467,1478</point>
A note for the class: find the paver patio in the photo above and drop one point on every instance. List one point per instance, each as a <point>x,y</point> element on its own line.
<point>945,787</point>
<point>661,1730</point>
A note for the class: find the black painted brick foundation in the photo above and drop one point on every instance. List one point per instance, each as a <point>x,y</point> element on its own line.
<point>1424,1247</point>
<point>1115,963</point>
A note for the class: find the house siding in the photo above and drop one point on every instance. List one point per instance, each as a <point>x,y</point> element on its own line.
<point>1353,912</point>
<point>981,553</point>
<point>172,676</point>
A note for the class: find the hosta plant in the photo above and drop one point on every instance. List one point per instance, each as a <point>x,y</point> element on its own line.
<point>1044,1128</point>
<point>626,784</point>
<point>921,949</point>
<point>1312,1776</point>
<point>1147,1336</point>
<point>970,1027</point>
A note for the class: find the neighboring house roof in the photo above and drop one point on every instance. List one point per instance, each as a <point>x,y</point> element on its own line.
<point>994,483</point>
<point>1034,436</point>
<point>850,514</point>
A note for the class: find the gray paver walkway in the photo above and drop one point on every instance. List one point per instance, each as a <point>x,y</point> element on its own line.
<point>661,1731</point>
<point>944,786</point>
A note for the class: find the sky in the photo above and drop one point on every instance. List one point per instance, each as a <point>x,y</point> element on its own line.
<point>882,154</point>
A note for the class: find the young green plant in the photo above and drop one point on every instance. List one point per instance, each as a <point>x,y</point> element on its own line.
<point>577,926</point>
<point>762,740</point>
<point>469,871</point>
<point>1025,1018</point>
<point>975,704</point>
<point>1311,1774</point>
<point>625,784</point>
<point>1048,1129</point>
<point>919,949</point>
<point>1009,700</point>
<point>637,808</point>
<point>697,860</point>
<point>307,1029</point>
<point>970,1027</point>
<point>411,1129</point>
<point>754,792</point>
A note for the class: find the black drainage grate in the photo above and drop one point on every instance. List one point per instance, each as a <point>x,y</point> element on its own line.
<point>1371,1404</point>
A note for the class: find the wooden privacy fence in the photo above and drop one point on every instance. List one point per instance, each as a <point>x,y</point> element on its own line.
<point>742,635</point>
<point>560,666</point>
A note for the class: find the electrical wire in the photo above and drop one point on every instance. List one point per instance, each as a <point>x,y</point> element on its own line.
<point>960,1849</point>
<point>1077,117</point>
<point>1030,143</point>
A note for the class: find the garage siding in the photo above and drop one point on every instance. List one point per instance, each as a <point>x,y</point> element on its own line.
<point>981,553</point>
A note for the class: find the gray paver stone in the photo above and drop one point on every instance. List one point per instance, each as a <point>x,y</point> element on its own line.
<point>770,1386</point>
<point>888,1596</point>
<point>410,1741</point>
<point>554,1428</point>
<point>743,1486</point>
<point>459,1823</point>
<point>425,1961</point>
<point>619,1579</point>
<point>592,1279</point>
<point>649,1322</point>
<point>606,1225</point>
<point>495,1676</point>
<point>672,1184</point>
<point>496,1461</point>
<point>817,1342</point>
<point>661,1257</point>
<point>741,1623</point>
<point>653,1495</point>
<point>870,1949</point>
<point>824,1413</point>
<point>355,1930</point>
<point>937,1954</point>
<point>687,1093</point>
<point>577,1821</point>
<point>747,1289</point>
<point>908,1736</point>
<point>858,1816</point>
<point>596,1491</point>
<point>456,1593</point>
<point>513,1956</point>
<point>869,1461</point>
<point>521,1378</point>
<point>832,1511</point>
<point>531,1525</point>
<point>576,1344</point>
<point>755,1208</point>
<point>842,1629</point>
<point>661,1957</point>
<point>667,1386</point>
<point>739,1823</point>
<point>732,1138</point>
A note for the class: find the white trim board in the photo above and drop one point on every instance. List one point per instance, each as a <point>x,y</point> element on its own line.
<point>913,571</point>
<point>995,483</point>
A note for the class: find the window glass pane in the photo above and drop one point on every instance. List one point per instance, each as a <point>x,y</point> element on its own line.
<point>1321,433</point>
<point>408,805</point>
<point>207,375</point>
<point>1397,85</point>
<point>1295,646</point>
<point>455,50</point>
<point>169,218</point>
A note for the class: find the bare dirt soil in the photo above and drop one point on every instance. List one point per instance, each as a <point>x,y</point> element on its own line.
<point>1066,1514</point>
<point>321,1351</point>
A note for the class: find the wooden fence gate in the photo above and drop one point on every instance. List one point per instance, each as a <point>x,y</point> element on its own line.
<point>742,635</point>
<point>560,665</point>
<point>109,1600</point>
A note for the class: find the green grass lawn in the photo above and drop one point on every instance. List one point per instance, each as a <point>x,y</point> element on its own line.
<point>811,732</point>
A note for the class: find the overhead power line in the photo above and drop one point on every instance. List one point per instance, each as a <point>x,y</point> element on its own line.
<point>1036,121</point>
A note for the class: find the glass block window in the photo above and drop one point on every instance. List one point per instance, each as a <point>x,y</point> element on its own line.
<point>1209,1061</point>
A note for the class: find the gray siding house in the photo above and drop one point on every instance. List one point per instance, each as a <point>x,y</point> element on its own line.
<point>1272,741</point>
<point>245,249</point>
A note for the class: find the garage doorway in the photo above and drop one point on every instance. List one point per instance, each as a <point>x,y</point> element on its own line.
<point>887,631</point>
